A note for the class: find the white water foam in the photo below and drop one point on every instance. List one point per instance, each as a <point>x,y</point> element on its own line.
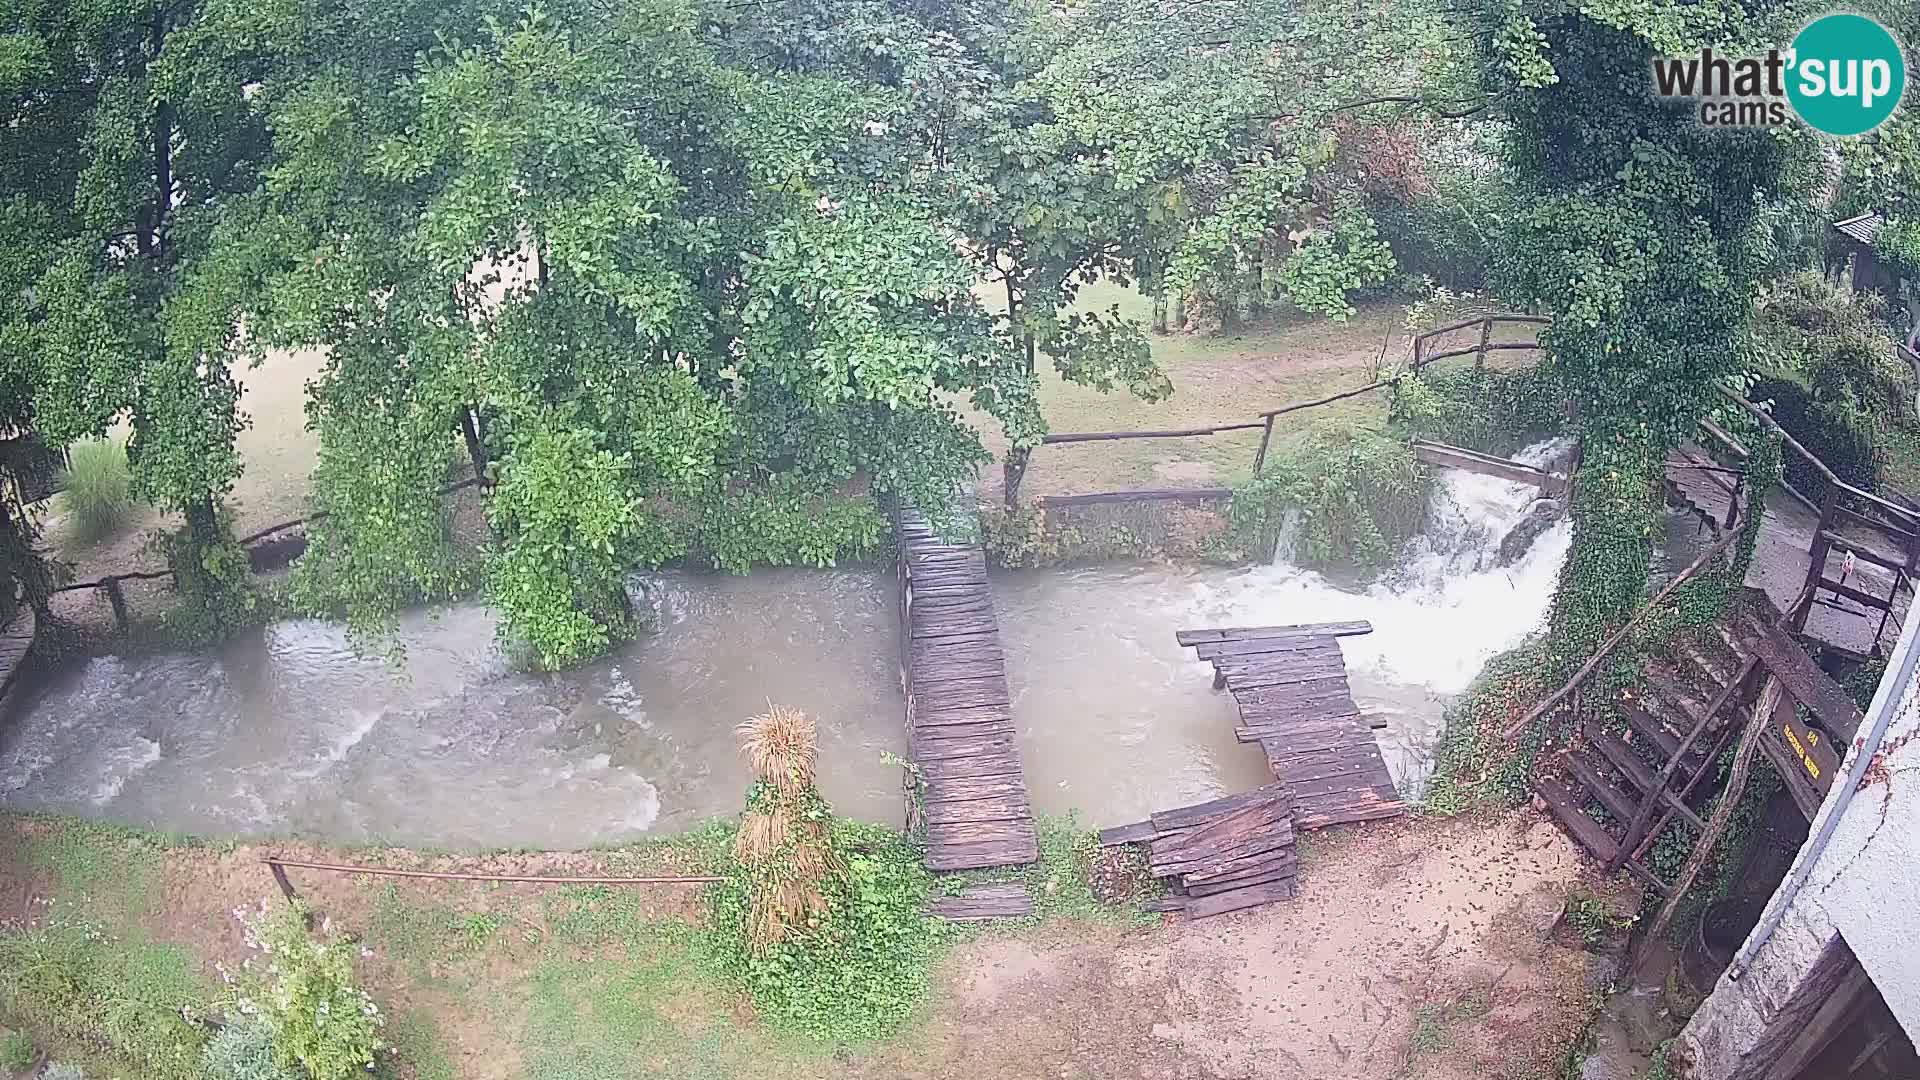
<point>1448,607</point>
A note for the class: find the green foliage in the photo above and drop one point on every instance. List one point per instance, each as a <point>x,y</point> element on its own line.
<point>316,1017</point>
<point>861,971</point>
<point>1645,236</point>
<point>1494,412</point>
<point>1898,245</point>
<point>1836,433</point>
<point>16,1051</point>
<point>1615,509</point>
<point>1018,538</point>
<point>386,541</point>
<point>779,523</point>
<point>572,523</point>
<point>1474,768</point>
<point>1358,497</point>
<point>97,487</point>
<point>92,981</point>
<point>244,1051</point>
<point>1592,917</point>
<point>1864,682</point>
<point>212,581</point>
<point>1440,224</point>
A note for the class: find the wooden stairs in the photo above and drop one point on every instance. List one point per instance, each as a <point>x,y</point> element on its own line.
<point>1619,786</point>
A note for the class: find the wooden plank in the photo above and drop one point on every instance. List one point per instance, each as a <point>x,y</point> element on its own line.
<point>1005,808</point>
<point>1289,871</point>
<point>990,763</point>
<point>1245,633</point>
<point>1213,650</point>
<point>964,788</point>
<point>1190,816</point>
<point>925,736</point>
<point>981,902</point>
<point>1616,799</point>
<point>1806,759</point>
<point>1807,683</point>
<point>927,752</point>
<point>1253,829</point>
<point>961,692</point>
<point>1136,833</point>
<point>1206,494</point>
<point>927,716</point>
<point>1203,907</point>
<point>1280,859</point>
<point>1456,458</point>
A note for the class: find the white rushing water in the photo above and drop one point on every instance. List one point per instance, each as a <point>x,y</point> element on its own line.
<point>1095,666</point>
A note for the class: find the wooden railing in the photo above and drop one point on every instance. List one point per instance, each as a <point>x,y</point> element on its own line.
<point>1424,353</point>
<point>1843,507</point>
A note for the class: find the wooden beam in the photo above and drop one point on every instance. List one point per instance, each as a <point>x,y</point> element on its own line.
<point>1144,495</point>
<point>1188,638</point>
<point>1807,683</point>
<point>1454,457</point>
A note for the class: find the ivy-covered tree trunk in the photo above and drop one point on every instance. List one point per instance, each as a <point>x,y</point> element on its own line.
<point>1616,504</point>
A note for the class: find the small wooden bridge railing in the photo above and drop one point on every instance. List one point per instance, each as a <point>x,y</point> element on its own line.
<point>1427,349</point>
<point>1892,543</point>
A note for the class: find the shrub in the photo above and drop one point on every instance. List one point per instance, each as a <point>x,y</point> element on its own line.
<point>821,921</point>
<point>16,1051</point>
<point>1494,412</point>
<point>69,977</point>
<point>98,487</point>
<point>1359,496</point>
<point>244,1051</point>
<point>858,969</point>
<point>316,1017</point>
<point>1834,432</point>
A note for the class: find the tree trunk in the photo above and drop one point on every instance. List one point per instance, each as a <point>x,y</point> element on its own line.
<point>476,451</point>
<point>1014,472</point>
<point>1160,313</point>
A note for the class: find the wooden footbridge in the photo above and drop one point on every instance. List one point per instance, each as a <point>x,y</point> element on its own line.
<point>972,793</point>
<point>1290,686</point>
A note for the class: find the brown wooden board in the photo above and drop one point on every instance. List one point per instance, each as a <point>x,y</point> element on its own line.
<point>1190,816</point>
<point>1807,683</point>
<point>980,902</point>
<point>1202,907</point>
<point>965,788</point>
<point>1287,871</point>
<point>1804,756</point>
<point>1136,833</point>
<point>987,763</point>
<point>1005,808</point>
<point>1215,650</point>
<point>1242,633</point>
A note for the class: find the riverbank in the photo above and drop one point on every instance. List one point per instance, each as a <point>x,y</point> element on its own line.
<point>1423,949</point>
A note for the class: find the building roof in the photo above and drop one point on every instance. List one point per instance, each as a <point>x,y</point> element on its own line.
<point>1863,228</point>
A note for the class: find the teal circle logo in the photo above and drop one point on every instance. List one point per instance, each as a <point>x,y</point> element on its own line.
<point>1846,74</point>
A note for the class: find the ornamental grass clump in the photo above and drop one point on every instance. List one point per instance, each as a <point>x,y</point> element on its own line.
<point>785,842</point>
<point>821,921</point>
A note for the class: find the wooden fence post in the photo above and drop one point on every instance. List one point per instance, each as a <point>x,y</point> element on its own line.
<point>117,598</point>
<point>1015,471</point>
<point>1266,439</point>
<point>280,878</point>
<point>1486,338</point>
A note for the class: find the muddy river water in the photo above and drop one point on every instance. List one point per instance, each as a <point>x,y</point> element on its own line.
<point>287,731</point>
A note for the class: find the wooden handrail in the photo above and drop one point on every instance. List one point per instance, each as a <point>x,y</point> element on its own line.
<point>1819,466</point>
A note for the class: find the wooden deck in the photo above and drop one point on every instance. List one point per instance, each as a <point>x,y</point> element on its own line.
<point>1290,685</point>
<point>973,794</point>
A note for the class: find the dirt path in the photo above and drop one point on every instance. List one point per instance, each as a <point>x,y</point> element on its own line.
<point>1416,949</point>
<point>1412,951</point>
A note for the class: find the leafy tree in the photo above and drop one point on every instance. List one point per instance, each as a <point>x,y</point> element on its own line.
<point>128,130</point>
<point>664,280</point>
<point>1645,235</point>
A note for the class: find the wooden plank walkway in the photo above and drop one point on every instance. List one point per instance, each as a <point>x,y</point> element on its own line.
<point>973,794</point>
<point>1290,685</point>
<point>1225,855</point>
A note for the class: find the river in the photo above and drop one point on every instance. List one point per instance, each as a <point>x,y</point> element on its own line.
<point>287,731</point>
